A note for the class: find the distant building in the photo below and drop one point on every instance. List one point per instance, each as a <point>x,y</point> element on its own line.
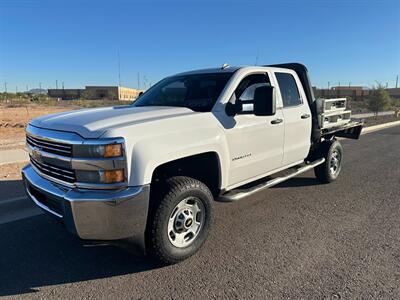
<point>394,92</point>
<point>347,88</point>
<point>96,92</point>
<point>357,93</point>
<point>65,94</point>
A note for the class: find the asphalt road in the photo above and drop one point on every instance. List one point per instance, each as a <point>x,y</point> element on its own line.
<point>300,239</point>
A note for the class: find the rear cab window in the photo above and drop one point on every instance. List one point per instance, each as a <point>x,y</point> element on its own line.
<point>289,91</point>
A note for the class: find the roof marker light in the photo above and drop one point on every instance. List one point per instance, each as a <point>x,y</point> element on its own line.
<point>224,66</point>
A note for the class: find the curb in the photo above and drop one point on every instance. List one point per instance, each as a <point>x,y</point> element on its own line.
<point>14,162</point>
<point>379,127</point>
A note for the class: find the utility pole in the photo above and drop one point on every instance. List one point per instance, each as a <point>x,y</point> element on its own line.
<point>16,89</point>
<point>56,84</point>
<point>119,70</point>
<point>339,83</point>
<point>329,84</point>
<point>40,85</point>
<point>349,83</point>
<point>63,85</point>
<point>397,80</point>
<point>145,81</point>
<point>5,90</point>
<point>27,88</point>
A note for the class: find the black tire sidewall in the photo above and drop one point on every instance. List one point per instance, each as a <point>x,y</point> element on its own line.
<point>335,145</point>
<point>168,251</point>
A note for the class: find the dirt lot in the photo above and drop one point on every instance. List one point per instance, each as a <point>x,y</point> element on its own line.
<point>13,121</point>
<point>11,171</point>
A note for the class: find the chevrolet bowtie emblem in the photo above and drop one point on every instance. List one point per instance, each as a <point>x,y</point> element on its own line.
<point>36,155</point>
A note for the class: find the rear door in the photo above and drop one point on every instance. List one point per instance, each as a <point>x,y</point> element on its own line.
<point>297,116</point>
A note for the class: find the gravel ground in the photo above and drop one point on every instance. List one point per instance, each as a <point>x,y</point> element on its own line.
<point>300,239</point>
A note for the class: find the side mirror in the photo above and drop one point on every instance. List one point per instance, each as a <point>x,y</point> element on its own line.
<point>264,101</point>
<point>232,109</point>
<point>140,94</point>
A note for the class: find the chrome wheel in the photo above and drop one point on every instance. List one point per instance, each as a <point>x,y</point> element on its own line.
<point>334,163</point>
<point>186,222</point>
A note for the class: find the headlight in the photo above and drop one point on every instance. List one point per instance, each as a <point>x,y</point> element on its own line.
<point>101,176</point>
<point>96,151</point>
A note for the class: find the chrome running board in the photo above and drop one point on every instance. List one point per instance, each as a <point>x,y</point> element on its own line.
<point>238,194</point>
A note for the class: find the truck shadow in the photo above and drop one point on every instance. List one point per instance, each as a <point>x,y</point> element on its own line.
<point>37,252</point>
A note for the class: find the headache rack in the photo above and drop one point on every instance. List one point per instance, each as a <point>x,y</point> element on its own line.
<point>329,116</point>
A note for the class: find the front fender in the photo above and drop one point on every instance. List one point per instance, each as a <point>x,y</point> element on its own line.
<point>147,155</point>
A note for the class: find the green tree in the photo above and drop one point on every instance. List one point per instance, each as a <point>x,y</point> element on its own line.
<point>378,99</point>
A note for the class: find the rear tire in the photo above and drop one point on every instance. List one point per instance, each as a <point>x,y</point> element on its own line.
<point>329,171</point>
<point>179,220</point>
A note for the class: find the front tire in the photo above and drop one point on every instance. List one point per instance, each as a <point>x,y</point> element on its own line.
<point>180,219</point>
<point>329,171</point>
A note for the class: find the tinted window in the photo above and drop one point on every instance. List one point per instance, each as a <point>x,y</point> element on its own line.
<point>290,93</point>
<point>197,91</point>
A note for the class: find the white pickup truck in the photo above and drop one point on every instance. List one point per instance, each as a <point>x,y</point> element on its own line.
<point>150,171</point>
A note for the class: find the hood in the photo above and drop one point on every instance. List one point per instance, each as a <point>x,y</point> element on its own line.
<point>92,123</point>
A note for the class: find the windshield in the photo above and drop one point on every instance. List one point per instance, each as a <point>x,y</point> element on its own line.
<point>197,91</point>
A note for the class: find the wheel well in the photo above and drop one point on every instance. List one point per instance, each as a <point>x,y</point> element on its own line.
<point>204,167</point>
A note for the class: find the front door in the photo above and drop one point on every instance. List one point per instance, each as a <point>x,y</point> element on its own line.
<point>255,142</point>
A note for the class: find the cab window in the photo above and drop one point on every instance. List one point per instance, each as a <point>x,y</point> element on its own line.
<point>288,87</point>
<point>245,90</point>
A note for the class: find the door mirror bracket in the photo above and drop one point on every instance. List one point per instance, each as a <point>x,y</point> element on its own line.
<point>232,109</point>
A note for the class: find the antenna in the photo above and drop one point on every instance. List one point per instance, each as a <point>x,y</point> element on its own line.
<point>256,63</point>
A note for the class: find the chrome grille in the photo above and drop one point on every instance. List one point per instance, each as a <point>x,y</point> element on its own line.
<point>50,146</point>
<point>63,174</point>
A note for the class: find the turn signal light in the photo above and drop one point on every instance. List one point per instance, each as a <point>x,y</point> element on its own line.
<point>113,176</point>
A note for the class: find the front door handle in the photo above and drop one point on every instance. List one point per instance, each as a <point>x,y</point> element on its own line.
<point>305,116</point>
<point>276,121</point>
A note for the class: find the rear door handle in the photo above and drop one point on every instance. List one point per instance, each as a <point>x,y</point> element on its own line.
<point>276,121</point>
<point>305,116</point>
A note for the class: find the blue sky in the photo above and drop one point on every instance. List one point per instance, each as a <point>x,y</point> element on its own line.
<point>77,42</point>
